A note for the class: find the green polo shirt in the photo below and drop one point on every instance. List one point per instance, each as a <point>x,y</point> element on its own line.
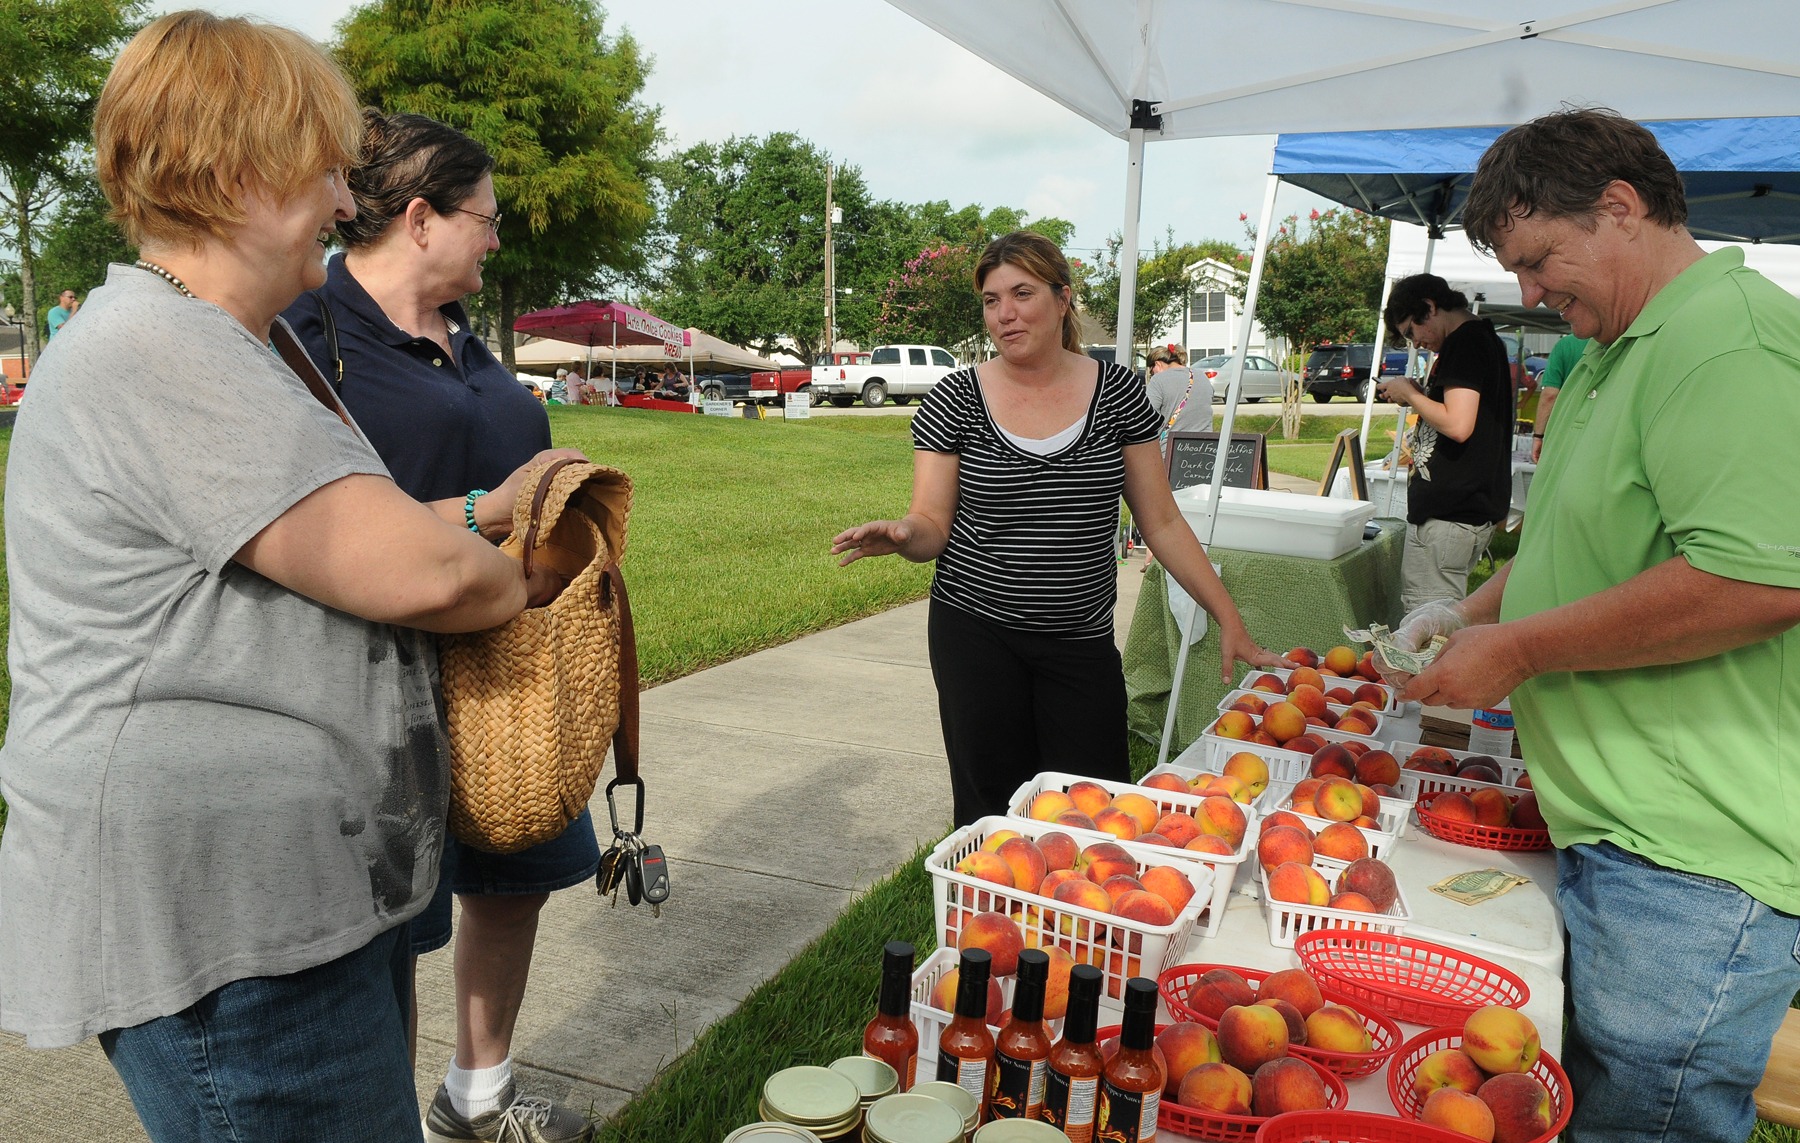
<point>1680,438</point>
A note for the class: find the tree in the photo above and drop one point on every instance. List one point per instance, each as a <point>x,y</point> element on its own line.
<point>54,56</point>
<point>539,83</point>
<point>1321,282</point>
<point>1162,283</point>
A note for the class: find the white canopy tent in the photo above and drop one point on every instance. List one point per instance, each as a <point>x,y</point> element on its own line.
<point>1143,70</point>
<point>700,349</point>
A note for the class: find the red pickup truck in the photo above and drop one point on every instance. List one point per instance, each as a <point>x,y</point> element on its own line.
<point>772,387</point>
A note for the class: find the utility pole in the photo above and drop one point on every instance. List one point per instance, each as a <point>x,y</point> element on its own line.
<point>830,272</point>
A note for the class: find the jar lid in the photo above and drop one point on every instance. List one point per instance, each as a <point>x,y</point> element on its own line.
<point>810,1096</point>
<point>825,1131</point>
<point>872,1077</point>
<point>965,1104</point>
<point>912,1119</point>
<point>771,1133</point>
<point>1018,1131</point>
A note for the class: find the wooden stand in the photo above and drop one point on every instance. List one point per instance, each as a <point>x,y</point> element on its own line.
<point>1347,441</point>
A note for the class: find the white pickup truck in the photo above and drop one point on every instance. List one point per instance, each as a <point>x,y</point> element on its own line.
<point>896,372</point>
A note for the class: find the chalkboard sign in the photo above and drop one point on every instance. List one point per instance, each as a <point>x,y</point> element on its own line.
<point>1191,457</point>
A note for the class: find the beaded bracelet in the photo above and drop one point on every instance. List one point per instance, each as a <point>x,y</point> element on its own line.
<point>469,508</point>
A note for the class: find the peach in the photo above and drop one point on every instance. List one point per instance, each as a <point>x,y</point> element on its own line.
<point>1154,839</point>
<point>1460,1112</point>
<point>1185,1046</point>
<point>1222,786</point>
<point>1287,818</point>
<point>1326,720</point>
<point>1372,878</point>
<point>1216,1087</point>
<point>1310,700</point>
<point>1054,878</point>
<point>1170,884</point>
<point>1377,768</point>
<point>1143,907</point>
<point>1174,783</point>
<point>1272,684</point>
<point>1492,807</point>
<point>1262,737</point>
<point>1249,769</point>
<point>1304,806</point>
<point>1500,1039</point>
<point>1027,862</point>
<point>1048,804</point>
<point>1355,723</point>
<point>1284,721</point>
<point>1294,985</point>
<point>1524,781</point>
<point>1526,815</point>
<point>994,840</point>
<point>1454,805</point>
<point>1140,808</point>
<point>987,867</point>
<point>1304,789</point>
<point>1366,667</point>
<point>1335,1028</point>
<point>1429,766</point>
<point>1090,797</point>
<point>1180,828</point>
<point>1085,895</point>
<point>1103,859</point>
<point>1249,704</point>
<point>1338,800</point>
<point>1222,818</point>
<point>1371,800</point>
<point>1117,822</point>
<point>1058,849</point>
<point>1352,902</point>
<point>1436,754</point>
<point>1302,657</point>
<point>1298,884</point>
<point>1233,724</point>
<point>1120,884</point>
<point>1374,694</point>
<point>1296,1023</point>
<point>1219,989</point>
<point>1250,1037</point>
<point>1305,677</point>
<point>1357,748</point>
<point>1281,845</point>
<point>1447,1068</point>
<point>1207,843</point>
<point>1305,744</point>
<point>1521,1106</point>
<point>943,995</point>
<point>1341,659</point>
<point>1480,768</point>
<point>1074,819</point>
<point>1056,987</point>
<point>1342,841</point>
<point>1332,761</point>
<point>997,933</point>
<point>1343,696</point>
<point>1287,1085</point>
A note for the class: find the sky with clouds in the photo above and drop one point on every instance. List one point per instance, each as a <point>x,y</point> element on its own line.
<point>923,118</point>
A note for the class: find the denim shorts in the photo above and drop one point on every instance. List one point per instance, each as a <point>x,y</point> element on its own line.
<point>1677,983</point>
<point>567,859</point>
<point>318,1055</point>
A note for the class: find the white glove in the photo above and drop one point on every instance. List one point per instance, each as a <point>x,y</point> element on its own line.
<point>1421,625</point>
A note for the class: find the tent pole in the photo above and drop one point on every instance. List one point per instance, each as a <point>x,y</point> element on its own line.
<point>1124,343</point>
<point>1387,287</point>
<point>1412,359</point>
<point>1236,366</point>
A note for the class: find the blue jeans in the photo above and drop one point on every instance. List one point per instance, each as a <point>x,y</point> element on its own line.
<point>1677,983</point>
<point>318,1055</point>
<point>569,858</point>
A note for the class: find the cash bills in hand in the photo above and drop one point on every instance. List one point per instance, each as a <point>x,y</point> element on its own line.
<point>1388,649</point>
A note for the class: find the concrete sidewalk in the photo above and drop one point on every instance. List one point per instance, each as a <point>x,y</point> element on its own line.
<point>780,785</point>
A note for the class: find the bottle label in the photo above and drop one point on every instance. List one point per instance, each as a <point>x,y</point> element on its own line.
<point>1496,719</point>
<point>970,1075</point>
<point>909,1074</point>
<point>1128,1116</point>
<point>1069,1104</point>
<point>1019,1087</point>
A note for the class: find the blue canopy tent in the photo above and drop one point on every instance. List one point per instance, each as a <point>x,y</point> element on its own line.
<point>1742,178</point>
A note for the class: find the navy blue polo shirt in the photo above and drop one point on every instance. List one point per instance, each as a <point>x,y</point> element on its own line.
<point>443,423</point>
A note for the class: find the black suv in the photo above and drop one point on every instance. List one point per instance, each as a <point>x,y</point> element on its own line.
<point>1343,370</point>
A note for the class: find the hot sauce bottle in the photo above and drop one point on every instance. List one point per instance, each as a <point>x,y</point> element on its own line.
<point>1022,1050</point>
<point>891,1036</point>
<point>1072,1077</point>
<point>1131,1087</point>
<point>966,1048</point>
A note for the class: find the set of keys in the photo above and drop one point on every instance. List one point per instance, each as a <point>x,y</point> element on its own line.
<point>630,862</point>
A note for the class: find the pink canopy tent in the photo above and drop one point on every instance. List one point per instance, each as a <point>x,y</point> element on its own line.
<point>602,323</point>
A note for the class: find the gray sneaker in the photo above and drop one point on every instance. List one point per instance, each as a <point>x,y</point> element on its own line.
<point>520,1119</point>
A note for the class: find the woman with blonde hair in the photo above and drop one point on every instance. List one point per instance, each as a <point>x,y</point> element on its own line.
<point>1018,466</point>
<point>225,767</point>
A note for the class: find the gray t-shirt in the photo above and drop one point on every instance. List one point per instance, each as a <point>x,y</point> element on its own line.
<point>209,776</point>
<point>1165,390</point>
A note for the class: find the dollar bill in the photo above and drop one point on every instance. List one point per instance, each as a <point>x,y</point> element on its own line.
<point>1478,885</point>
<point>1389,651</point>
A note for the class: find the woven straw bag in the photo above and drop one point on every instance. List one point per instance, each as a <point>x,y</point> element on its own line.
<point>534,703</point>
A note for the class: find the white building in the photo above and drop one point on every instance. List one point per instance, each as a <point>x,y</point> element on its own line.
<point>1209,323</point>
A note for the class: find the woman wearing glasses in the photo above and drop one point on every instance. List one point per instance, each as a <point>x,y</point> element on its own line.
<point>449,421</point>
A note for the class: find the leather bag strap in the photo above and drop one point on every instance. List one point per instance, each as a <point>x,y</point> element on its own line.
<point>625,739</point>
<point>290,351</point>
<point>536,518</point>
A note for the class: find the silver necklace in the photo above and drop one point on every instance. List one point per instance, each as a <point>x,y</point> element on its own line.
<point>145,264</point>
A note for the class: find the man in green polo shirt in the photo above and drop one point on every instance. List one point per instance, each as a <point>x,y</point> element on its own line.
<point>1563,356</point>
<point>1646,630</point>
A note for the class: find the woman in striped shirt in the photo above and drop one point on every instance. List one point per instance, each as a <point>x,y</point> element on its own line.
<point>1017,474</point>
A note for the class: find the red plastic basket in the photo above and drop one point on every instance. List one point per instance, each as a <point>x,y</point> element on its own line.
<point>1351,1127</point>
<point>1406,1065</point>
<point>1177,984</point>
<point>1407,979</point>
<point>1198,1123</point>
<point>1508,838</point>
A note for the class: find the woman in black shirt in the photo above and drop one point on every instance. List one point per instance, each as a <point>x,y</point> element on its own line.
<point>1461,481</point>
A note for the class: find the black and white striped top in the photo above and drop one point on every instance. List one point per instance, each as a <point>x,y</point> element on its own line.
<point>1031,546</point>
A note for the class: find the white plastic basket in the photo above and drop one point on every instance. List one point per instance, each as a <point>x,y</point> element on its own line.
<point>1288,921</point>
<point>1390,823</point>
<point>1378,717</point>
<point>1284,672</point>
<point>1188,774</point>
<point>1119,947</point>
<point>931,1021</point>
<point>1414,784</point>
<point>1167,801</point>
<point>1284,765</point>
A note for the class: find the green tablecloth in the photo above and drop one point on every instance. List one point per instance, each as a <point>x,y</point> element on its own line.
<point>1286,602</point>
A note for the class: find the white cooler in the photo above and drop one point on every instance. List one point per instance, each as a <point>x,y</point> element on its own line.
<point>1387,487</point>
<point>1280,523</point>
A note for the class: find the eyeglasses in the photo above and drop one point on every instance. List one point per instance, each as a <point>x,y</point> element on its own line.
<point>1407,333</point>
<point>492,220</point>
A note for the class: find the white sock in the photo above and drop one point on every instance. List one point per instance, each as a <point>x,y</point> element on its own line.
<point>473,1091</point>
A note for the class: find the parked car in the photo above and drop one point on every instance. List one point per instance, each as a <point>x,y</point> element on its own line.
<point>901,372</point>
<point>771,387</point>
<point>1340,371</point>
<point>1262,377</point>
<point>733,387</point>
